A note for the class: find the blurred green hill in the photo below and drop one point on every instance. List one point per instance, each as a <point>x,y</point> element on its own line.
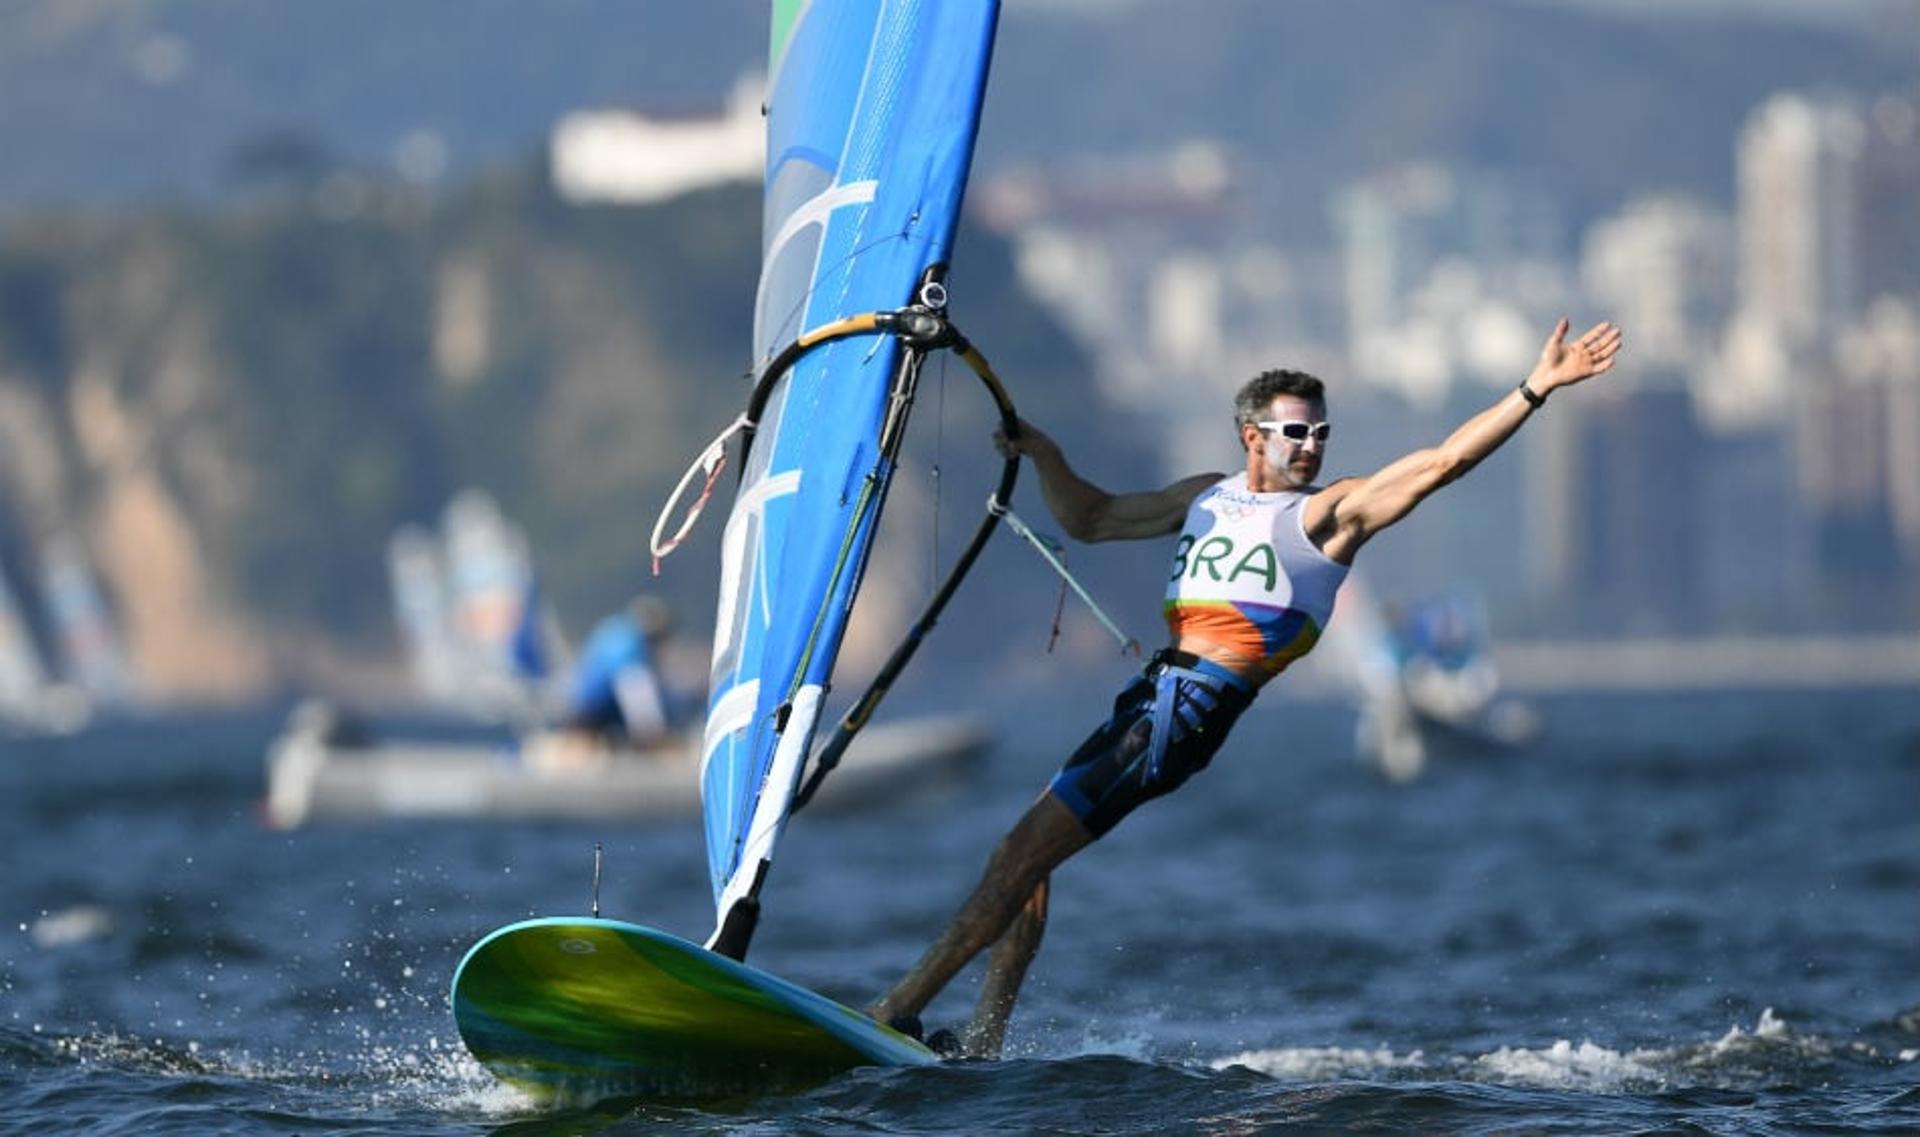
<point>237,407</point>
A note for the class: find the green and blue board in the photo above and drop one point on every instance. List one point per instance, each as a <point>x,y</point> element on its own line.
<point>575,1009</point>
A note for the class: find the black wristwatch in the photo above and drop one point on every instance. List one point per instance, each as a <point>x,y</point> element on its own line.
<point>1527,393</point>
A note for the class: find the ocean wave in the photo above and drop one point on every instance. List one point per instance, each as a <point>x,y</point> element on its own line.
<point>430,1074</point>
<point>1768,1052</point>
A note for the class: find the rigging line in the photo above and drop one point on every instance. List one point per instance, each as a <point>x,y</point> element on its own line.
<point>710,462</point>
<point>820,278</point>
<point>1059,614</point>
<point>1046,548</point>
<point>868,486</point>
<point>921,328</point>
<point>939,450</point>
<point>886,322</point>
<point>873,488</point>
<point>713,459</point>
<point>936,332</point>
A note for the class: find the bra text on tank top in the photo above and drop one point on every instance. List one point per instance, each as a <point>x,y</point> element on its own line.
<point>1246,577</point>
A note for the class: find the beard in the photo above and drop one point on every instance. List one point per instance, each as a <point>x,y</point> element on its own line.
<point>1289,465</point>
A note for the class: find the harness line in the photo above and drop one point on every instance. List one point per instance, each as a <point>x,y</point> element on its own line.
<point>1047,548</point>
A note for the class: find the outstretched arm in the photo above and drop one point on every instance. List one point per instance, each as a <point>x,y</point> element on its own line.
<point>1089,513</point>
<point>1347,514</point>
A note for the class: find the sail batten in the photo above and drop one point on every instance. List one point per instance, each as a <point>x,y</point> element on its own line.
<point>872,112</point>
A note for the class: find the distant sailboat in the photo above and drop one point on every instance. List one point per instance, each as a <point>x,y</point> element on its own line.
<point>462,602</point>
<point>32,701</point>
<point>22,674</point>
<point>489,572</point>
<point>417,574</point>
<point>94,658</point>
<point>1420,679</point>
<point>1359,647</point>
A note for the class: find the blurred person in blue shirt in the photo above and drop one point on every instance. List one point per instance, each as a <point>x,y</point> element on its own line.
<point>616,692</point>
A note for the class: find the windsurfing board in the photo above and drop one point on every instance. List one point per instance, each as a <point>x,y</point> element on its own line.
<point>578,1009</point>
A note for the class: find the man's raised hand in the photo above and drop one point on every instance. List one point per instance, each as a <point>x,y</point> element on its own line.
<point>1562,363</point>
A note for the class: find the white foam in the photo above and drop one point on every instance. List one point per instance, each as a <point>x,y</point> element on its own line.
<point>1315,1063</point>
<point>491,1099</point>
<point>1568,1067</point>
<point>1769,1027</point>
<point>1596,1068</point>
<point>1586,1066</point>
<point>1137,1045</point>
<point>75,925</point>
<point>429,1074</point>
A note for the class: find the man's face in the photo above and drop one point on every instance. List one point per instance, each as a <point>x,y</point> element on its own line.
<point>1295,462</point>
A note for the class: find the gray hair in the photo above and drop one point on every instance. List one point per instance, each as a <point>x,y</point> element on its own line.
<point>1256,398</point>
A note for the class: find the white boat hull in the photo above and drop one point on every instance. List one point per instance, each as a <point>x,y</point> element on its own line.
<point>312,779</point>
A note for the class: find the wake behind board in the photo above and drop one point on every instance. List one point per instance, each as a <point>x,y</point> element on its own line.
<point>579,1008</point>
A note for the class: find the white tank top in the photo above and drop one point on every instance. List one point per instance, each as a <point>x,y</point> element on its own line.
<point>1246,577</point>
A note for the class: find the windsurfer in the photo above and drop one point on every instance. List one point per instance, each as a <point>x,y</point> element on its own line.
<point>1259,559</point>
<point>615,697</point>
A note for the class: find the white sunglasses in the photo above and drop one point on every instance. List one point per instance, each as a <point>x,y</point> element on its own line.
<point>1298,430</point>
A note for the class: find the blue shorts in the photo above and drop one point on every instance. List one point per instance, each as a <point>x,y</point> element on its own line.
<point>1165,728</point>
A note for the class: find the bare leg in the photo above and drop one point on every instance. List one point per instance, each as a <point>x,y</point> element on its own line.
<point>1047,834</point>
<point>1007,966</point>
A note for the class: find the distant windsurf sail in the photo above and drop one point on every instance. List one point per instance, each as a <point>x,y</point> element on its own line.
<point>84,626</point>
<point>871,115</point>
<point>22,675</point>
<point>423,608</point>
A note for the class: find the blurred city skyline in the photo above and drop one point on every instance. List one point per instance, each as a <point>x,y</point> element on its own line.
<point>1774,351</point>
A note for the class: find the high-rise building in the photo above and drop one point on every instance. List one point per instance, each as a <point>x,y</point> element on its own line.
<point>1664,267</point>
<point>1890,200</point>
<point>1427,248</point>
<point>1611,487</point>
<point>1799,172</point>
<point>1840,450</point>
<point>1828,332</point>
<point>1878,361</point>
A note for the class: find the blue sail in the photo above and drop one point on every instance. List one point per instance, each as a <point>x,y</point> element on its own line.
<point>873,107</point>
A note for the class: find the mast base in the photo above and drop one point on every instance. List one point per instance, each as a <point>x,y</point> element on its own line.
<point>736,931</point>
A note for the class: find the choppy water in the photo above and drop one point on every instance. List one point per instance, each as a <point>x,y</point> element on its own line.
<point>1673,915</point>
